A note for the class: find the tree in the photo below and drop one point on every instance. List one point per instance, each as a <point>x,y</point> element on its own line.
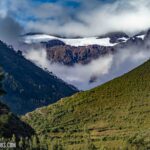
<point>21,143</point>
<point>1,79</point>
<point>13,138</point>
<point>35,142</point>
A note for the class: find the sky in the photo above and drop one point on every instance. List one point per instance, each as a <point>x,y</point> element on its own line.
<point>83,18</point>
<point>76,17</point>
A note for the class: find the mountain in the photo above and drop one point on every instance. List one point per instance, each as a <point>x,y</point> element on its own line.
<point>112,116</point>
<point>76,50</point>
<point>70,55</point>
<point>28,86</point>
<point>81,50</point>
<point>104,40</point>
<point>116,37</point>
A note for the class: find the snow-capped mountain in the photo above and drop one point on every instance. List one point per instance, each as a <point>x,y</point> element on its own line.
<point>84,41</point>
<point>87,61</point>
<point>110,39</point>
<point>81,50</point>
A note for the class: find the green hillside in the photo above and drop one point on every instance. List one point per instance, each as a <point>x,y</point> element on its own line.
<point>115,115</point>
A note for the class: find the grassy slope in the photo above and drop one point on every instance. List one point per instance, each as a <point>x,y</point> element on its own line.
<point>112,114</point>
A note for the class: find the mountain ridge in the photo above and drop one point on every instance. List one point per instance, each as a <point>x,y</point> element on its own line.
<point>76,50</point>
<point>27,85</point>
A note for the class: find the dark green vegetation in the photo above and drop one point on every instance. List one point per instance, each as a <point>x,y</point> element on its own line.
<point>29,87</point>
<point>17,132</point>
<point>10,124</point>
<point>115,115</point>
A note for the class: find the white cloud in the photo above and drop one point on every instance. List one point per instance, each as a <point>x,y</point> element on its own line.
<point>105,68</point>
<point>79,75</point>
<point>89,19</point>
<point>130,16</point>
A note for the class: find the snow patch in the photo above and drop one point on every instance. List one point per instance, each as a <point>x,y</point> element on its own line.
<point>141,36</point>
<point>71,42</point>
<point>124,39</point>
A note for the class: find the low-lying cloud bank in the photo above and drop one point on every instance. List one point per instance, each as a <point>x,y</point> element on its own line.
<point>104,69</point>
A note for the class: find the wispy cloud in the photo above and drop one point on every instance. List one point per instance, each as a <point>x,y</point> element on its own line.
<point>130,16</point>
<point>81,17</point>
<point>79,75</point>
<point>104,68</point>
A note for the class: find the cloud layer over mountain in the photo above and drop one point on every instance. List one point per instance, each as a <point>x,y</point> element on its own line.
<point>104,69</point>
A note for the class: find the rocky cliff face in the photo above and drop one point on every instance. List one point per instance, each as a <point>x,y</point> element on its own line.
<point>70,55</point>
